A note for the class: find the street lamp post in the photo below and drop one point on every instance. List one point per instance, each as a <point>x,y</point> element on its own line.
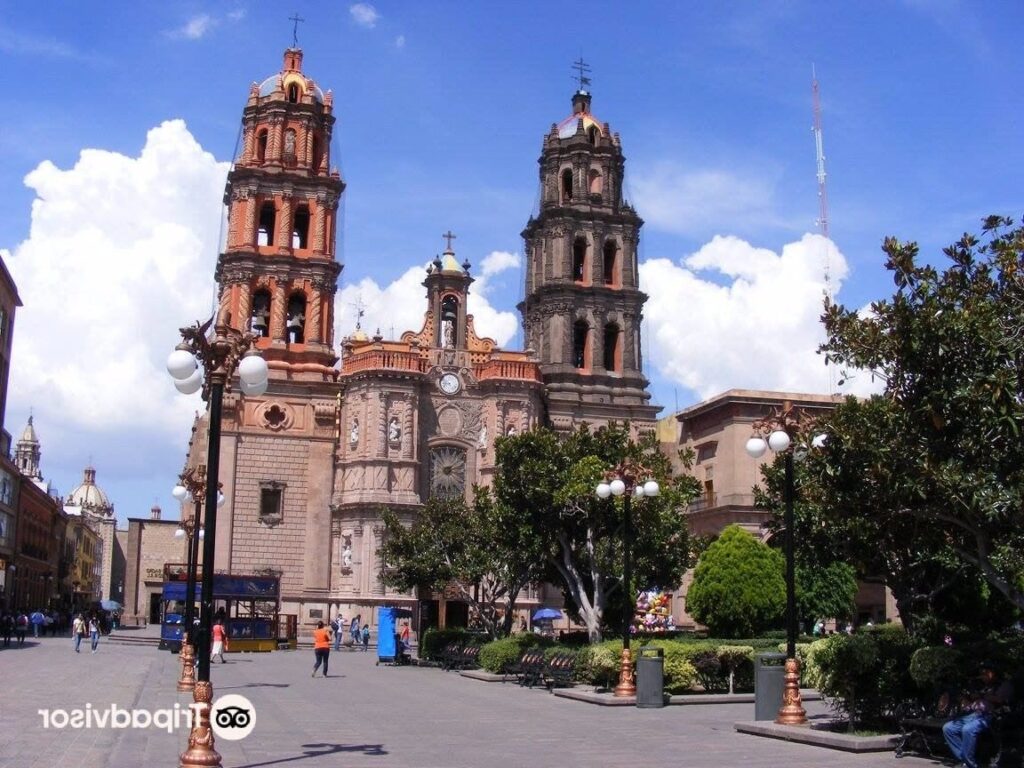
<point>623,481</point>
<point>221,354</point>
<point>192,485</point>
<point>783,430</point>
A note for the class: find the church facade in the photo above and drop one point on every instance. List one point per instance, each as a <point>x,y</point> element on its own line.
<point>344,431</point>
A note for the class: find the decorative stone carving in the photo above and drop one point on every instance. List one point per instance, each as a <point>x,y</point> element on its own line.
<point>276,416</point>
<point>449,421</point>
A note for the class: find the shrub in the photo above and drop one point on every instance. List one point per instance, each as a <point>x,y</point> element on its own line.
<point>679,671</point>
<point>866,675</point>
<point>499,655</point>
<point>935,668</point>
<point>709,671</point>
<point>435,640</point>
<point>599,664</point>
<point>738,587</point>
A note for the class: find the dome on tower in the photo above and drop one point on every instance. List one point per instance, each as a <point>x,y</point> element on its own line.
<point>90,496</point>
<point>580,111</point>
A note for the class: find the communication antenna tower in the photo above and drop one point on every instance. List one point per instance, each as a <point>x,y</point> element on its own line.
<point>819,147</point>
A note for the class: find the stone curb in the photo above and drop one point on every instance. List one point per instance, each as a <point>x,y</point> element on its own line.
<point>818,737</point>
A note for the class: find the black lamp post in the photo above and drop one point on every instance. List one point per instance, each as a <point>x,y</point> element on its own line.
<point>623,481</point>
<point>193,484</point>
<point>781,429</point>
<point>220,355</point>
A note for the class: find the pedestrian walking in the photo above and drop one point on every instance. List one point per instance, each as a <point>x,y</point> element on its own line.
<point>38,620</point>
<point>21,627</point>
<point>321,647</point>
<point>338,627</point>
<point>94,632</point>
<point>78,632</point>
<point>220,642</point>
<point>7,627</point>
<point>354,629</point>
<point>366,636</point>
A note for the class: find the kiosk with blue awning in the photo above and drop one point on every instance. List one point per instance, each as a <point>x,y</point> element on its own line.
<point>387,637</point>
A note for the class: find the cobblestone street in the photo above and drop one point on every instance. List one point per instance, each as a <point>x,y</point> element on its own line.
<point>364,715</point>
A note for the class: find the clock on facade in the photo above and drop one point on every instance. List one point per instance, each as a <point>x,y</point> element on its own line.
<point>449,383</point>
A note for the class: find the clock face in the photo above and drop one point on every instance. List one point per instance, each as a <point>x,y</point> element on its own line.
<point>449,383</point>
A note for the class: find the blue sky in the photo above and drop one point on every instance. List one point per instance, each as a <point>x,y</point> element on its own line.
<point>441,110</point>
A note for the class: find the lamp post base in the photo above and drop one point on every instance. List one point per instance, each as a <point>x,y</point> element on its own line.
<point>626,686</point>
<point>187,681</point>
<point>792,710</point>
<point>200,752</point>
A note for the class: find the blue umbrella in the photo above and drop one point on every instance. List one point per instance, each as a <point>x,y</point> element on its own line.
<point>547,613</point>
<point>110,605</point>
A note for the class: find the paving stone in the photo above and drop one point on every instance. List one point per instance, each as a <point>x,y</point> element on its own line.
<point>368,716</point>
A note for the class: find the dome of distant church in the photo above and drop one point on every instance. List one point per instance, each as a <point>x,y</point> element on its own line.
<point>90,495</point>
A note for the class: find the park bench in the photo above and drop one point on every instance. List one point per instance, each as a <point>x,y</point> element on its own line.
<point>531,667</point>
<point>469,657</point>
<point>921,732</point>
<point>560,669</point>
<point>450,656</point>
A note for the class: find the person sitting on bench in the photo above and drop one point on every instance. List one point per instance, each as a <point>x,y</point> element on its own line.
<point>961,734</point>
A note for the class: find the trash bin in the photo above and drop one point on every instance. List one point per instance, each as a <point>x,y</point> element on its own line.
<point>769,679</point>
<point>650,677</point>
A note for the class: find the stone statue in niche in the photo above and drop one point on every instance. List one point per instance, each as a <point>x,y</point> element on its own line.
<point>353,435</point>
<point>511,431</point>
<point>481,443</point>
<point>346,553</point>
<point>394,430</point>
<point>449,334</point>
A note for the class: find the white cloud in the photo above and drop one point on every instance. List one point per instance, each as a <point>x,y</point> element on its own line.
<point>193,29</point>
<point>237,15</point>
<point>400,41</point>
<point>400,306</point>
<point>692,202</point>
<point>735,316</point>
<point>364,14</point>
<point>120,254</point>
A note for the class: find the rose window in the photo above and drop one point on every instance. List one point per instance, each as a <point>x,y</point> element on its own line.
<point>447,471</point>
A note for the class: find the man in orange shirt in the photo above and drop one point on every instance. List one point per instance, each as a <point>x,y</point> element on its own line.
<point>321,647</point>
<point>220,642</point>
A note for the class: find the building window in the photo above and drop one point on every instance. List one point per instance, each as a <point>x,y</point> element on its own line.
<point>268,217</point>
<point>567,185</point>
<point>271,503</point>
<point>300,228</point>
<point>6,489</point>
<point>612,359</point>
<point>447,472</point>
<point>611,250</point>
<point>579,258</point>
<point>580,345</point>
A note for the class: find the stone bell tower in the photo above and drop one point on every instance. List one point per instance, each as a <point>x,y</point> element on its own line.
<point>278,274</point>
<point>583,307</point>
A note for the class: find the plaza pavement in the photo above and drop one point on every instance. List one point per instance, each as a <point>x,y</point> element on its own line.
<point>367,716</point>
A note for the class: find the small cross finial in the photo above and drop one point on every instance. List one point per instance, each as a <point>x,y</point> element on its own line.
<point>295,28</point>
<point>449,237</point>
<point>582,70</point>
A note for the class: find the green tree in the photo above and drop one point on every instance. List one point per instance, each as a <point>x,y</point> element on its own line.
<point>936,462</point>
<point>480,550</point>
<point>738,587</point>
<point>825,592</point>
<point>548,479</point>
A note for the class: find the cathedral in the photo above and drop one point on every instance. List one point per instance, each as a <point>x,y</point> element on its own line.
<point>345,430</point>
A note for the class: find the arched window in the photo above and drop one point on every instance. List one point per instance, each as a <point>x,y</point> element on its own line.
<point>579,258</point>
<point>592,133</point>
<point>316,154</point>
<point>581,344</point>
<point>300,230</point>
<point>449,331</point>
<point>261,146</point>
<point>296,322</point>
<point>596,182</point>
<point>567,185</point>
<point>268,217</point>
<point>611,252</point>
<point>260,318</point>
<point>293,93</point>
<point>612,358</point>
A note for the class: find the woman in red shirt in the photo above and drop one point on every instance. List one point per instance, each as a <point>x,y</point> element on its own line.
<point>321,647</point>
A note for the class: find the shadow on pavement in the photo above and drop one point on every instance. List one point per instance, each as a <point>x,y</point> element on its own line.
<point>323,750</point>
<point>254,685</point>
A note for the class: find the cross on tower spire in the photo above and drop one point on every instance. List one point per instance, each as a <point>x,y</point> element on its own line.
<point>582,70</point>
<point>295,28</point>
<point>449,237</point>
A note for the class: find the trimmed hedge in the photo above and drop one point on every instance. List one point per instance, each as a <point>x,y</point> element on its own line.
<point>435,640</point>
<point>499,655</point>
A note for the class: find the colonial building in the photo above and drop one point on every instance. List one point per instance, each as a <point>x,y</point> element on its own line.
<point>150,543</point>
<point>308,466</point>
<point>9,302</point>
<point>716,431</point>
